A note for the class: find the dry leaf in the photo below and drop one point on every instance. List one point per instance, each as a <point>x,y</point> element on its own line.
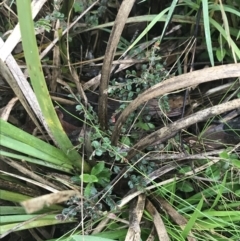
<point>36,204</point>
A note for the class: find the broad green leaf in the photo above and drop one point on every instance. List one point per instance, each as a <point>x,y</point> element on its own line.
<point>144,126</point>
<point>104,177</point>
<point>87,178</point>
<point>224,155</point>
<point>96,144</point>
<point>90,190</point>
<point>16,218</point>
<point>235,162</point>
<point>12,196</point>
<point>78,7</point>
<point>98,168</point>
<point>185,169</point>
<point>98,152</point>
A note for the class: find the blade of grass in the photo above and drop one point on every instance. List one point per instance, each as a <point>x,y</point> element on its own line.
<point>226,27</point>
<point>208,193</point>
<point>147,29</point>
<point>18,197</point>
<point>220,191</point>
<point>18,140</point>
<point>46,221</point>
<point>226,8</point>
<point>207,31</point>
<point>192,220</point>
<point>223,33</point>
<point>12,210</point>
<point>34,67</point>
<point>16,218</point>
<point>12,196</point>
<point>145,18</point>
<point>26,149</point>
<point>168,19</point>
<point>61,167</point>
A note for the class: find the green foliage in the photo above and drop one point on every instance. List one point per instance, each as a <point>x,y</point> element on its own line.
<point>137,181</point>
<point>87,178</point>
<point>55,15</point>
<point>78,6</point>
<point>46,23</point>
<point>77,206</point>
<point>43,23</point>
<point>91,18</point>
<point>139,178</point>
<point>211,208</point>
<point>135,84</point>
<point>99,175</point>
<point>100,141</point>
<point>30,148</point>
<point>229,159</point>
<point>40,86</point>
<point>143,125</point>
<point>193,219</point>
<point>185,186</point>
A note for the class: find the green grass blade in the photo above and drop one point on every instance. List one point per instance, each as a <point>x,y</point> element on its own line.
<point>220,192</point>
<point>207,31</point>
<point>41,222</point>
<point>12,196</point>
<point>19,135</point>
<point>192,220</point>
<point>61,167</point>
<point>169,16</point>
<point>226,8</point>
<point>146,18</point>
<point>18,140</point>
<point>16,218</point>
<point>148,28</point>
<point>26,149</point>
<point>11,210</point>
<point>18,197</point>
<point>223,33</point>
<point>39,85</point>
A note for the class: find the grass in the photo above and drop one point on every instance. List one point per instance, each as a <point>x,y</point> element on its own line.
<point>145,171</point>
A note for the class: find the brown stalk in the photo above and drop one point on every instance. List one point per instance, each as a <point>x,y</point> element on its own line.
<point>169,131</point>
<point>115,35</point>
<point>173,84</point>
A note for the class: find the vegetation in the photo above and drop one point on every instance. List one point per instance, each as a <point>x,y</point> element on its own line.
<point>119,120</point>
